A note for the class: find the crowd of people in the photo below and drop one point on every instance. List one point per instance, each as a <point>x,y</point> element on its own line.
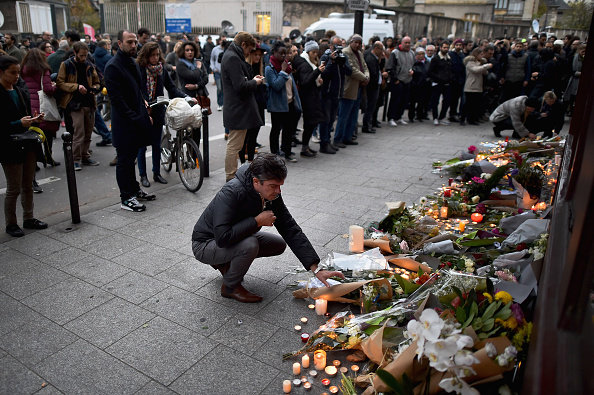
<point>527,86</point>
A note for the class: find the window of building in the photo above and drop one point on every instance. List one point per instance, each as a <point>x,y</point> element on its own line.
<point>472,17</point>
<point>262,22</point>
<point>501,4</point>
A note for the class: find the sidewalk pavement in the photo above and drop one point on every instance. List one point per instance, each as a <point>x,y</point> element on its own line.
<point>119,305</point>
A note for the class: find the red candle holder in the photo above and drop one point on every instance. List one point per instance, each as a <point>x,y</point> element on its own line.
<point>447,193</point>
<point>476,217</point>
<point>304,337</point>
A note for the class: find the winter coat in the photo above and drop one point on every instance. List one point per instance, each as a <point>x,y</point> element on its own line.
<point>241,109</point>
<point>574,81</point>
<point>419,79</point>
<point>10,123</point>
<point>458,66</point>
<point>33,82</point>
<point>474,74</point>
<point>515,109</point>
<point>517,68</point>
<point>198,76</point>
<point>309,92</point>
<point>230,218</point>
<point>334,77</point>
<point>130,122</point>
<point>163,82</point>
<point>55,60</point>
<point>440,69</point>
<point>102,56</point>
<point>170,62</point>
<point>352,82</point>
<point>399,64</point>
<point>277,91</point>
<point>67,81</point>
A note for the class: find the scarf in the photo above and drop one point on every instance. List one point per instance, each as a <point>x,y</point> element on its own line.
<point>152,74</point>
<point>277,64</point>
<point>403,50</point>
<point>191,65</point>
<point>305,56</point>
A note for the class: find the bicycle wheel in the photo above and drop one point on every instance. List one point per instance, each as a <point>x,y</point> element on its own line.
<point>104,108</point>
<point>189,165</point>
<point>166,152</point>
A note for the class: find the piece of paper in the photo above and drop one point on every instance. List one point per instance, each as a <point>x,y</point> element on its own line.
<point>441,247</point>
<point>509,224</point>
<point>527,232</point>
<point>369,260</point>
<point>518,291</point>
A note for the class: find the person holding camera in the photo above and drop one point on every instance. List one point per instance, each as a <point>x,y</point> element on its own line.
<point>79,82</point>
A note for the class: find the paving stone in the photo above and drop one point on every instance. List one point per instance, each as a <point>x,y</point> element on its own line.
<point>332,224</point>
<point>135,287</point>
<point>82,234</point>
<point>95,270</point>
<point>64,257</point>
<point>325,195</point>
<point>67,300</point>
<point>35,245</point>
<point>48,390</point>
<point>154,388</point>
<point>189,310</point>
<point>225,371</point>
<point>114,245</point>
<point>30,281</point>
<point>161,349</point>
<point>281,342</point>
<point>189,274</point>
<point>13,262</point>
<point>107,219</point>
<point>82,368</point>
<point>14,314</point>
<point>345,211</point>
<point>16,379</point>
<point>318,237</point>
<point>36,340</point>
<point>150,259</point>
<point>109,322</point>
<point>244,333</point>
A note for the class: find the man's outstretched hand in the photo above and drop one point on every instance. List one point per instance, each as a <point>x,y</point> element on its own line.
<point>324,275</point>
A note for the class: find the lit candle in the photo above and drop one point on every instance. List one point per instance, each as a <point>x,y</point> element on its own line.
<point>307,385</point>
<point>297,383</point>
<point>450,181</point>
<point>311,306</point>
<point>476,217</point>
<point>336,363</point>
<point>462,226</point>
<point>344,369</point>
<point>320,359</point>
<point>303,379</point>
<point>305,361</point>
<point>447,193</point>
<point>297,327</point>
<point>304,320</point>
<point>325,382</point>
<point>321,306</point>
<point>333,389</point>
<point>296,368</point>
<point>355,368</point>
<point>287,386</point>
<point>443,212</point>
<point>356,236</point>
<point>331,370</point>
<point>304,337</point>
<point>542,205</point>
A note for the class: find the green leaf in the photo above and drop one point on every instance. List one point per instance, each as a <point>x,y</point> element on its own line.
<point>459,293</point>
<point>503,314</point>
<point>406,285</point>
<point>407,384</point>
<point>488,324</point>
<point>490,288</point>
<point>469,320</point>
<point>489,311</point>
<point>482,336</point>
<point>460,314</point>
<point>477,324</point>
<point>474,309</point>
<point>390,381</point>
<point>481,242</point>
<point>452,161</point>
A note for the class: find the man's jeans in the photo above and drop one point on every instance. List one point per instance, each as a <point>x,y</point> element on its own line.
<point>330,106</point>
<point>101,127</point>
<point>438,91</point>
<point>217,78</point>
<point>240,255</point>
<point>348,113</point>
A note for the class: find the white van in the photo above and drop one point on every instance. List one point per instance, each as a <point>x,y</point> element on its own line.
<point>344,24</point>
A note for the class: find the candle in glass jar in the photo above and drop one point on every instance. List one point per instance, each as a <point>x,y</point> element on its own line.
<point>476,217</point>
<point>320,359</point>
<point>462,226</point>
<point>296,368</point>
<point>307,385</point>
<point>443,212</point>
<point>287,386</point>
<point>304,337</point>
<point>305,361</point>
<point>321,306</point>
<point>331,370</point>
<point>356,236</point>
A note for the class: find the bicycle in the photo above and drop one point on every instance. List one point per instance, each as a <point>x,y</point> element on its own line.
<point>186,152</point>
<point>103,104</point>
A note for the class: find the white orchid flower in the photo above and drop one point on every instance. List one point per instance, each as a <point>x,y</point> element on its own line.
<point>439,352</point>
<point>454,384</point>
<point>415,332</point>
<point>491,350</point>
<point>432,324</point>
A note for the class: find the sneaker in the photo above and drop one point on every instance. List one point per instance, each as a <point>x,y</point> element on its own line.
<point>90,162</point>
<point>34,223</point>
<point>220,108</point>
<point>307,154</point>
<point>393,123</point>
<point>436,122</point>
<point>258,145</point>
<point>144,196</point>
<point>77,166</point>
<point>103,143</point>
<point>402,121</point>
<point>132,204</point>
<point>315,139</point>
<point>444,122</point>
<point>291,158</point>
<point>15,230</point>
<point>36,187</point>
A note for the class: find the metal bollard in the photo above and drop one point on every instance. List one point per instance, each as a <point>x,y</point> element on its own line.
<point>205,143</point>
<point>71,178</point>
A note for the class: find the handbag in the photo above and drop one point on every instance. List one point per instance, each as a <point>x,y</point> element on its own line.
<point>204,102</point>
<point>48,105</point>
<point>32,136</point>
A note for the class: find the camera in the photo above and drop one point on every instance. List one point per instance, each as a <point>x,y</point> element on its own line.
<point>340,57</point>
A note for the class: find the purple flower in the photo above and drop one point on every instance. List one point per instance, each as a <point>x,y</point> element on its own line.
<point>520,211</point>
<point>478,180</point>
<point>496,231</point>
<point>481,208</point>
<point>472,149</point>
<point>517,312</point>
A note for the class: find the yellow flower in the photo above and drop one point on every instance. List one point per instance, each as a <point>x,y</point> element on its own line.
<point>488,297</point>
<point>504,297</point>
<point>511,323</point>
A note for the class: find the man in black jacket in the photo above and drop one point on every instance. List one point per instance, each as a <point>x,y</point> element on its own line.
<point>228,234</point>
<point>440,73</point>
<point>373,59</point>
<point>130,120</point>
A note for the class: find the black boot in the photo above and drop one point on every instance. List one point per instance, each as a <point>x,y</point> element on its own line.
<point>326,149</point>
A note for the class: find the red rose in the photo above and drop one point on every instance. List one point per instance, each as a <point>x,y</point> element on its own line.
<point>521,246</point>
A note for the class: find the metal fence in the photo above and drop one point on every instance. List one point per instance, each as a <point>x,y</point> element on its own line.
<point>118,16</point>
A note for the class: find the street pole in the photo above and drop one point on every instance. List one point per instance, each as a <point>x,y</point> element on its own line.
<point>71,178</point>
<point>359,23</point>
<point>138,10</point>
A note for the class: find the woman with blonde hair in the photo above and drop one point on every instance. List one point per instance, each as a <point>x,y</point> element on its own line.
<point>171,62</point>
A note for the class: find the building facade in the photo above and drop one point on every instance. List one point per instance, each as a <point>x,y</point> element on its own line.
<point>31,17</point>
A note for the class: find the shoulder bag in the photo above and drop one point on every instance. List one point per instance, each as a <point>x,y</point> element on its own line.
<point>48,105</point>
<point>32,136</point>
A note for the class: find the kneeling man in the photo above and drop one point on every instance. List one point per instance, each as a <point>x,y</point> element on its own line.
<point>228,234</point>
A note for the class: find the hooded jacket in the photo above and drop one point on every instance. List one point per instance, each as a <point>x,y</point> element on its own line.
<point>513,109</point>
<point>102,56</point>
<point>230,218</point>
<point>474,74</point>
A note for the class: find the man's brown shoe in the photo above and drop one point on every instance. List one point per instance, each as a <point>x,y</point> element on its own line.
<point>241,295</point>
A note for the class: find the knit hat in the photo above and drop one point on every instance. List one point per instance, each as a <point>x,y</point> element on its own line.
<point>532,102</point>
<point>558,42</point>
<point>356,37</point>
<point>459,41</point>
<point>311,45</point>
<point>420,50</point>
<point>63,44</point>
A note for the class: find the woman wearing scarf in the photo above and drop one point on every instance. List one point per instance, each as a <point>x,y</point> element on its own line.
<point>308,72</point>
<point>283,102</point>
<point>191,70</point>
<point>155,78</point>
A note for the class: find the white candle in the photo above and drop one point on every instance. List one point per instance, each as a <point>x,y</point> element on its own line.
<point>296,368</point>
<point>287,386</point>
<point>321,306</point>
<point>320,359</point>
<point>356,235</point>
<point>331,370</point>
<point>304,320</point>
<point>305,361</point>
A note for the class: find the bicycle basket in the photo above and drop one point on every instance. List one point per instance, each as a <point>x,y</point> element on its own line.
<point>179,114</point>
